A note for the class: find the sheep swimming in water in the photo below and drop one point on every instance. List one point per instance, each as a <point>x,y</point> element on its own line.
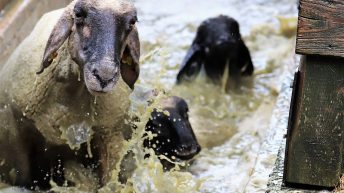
<point>173,135</point>
<point>217,45</point>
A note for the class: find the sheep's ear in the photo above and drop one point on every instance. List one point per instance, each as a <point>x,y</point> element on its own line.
<point>191,64</point>
<point>244,60</point>
<point>57,37</point>
<point>130,68</point>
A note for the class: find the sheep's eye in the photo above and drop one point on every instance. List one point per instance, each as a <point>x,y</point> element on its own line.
<point>80,13</point>
<point>132,22</point>
<point>186,115</point>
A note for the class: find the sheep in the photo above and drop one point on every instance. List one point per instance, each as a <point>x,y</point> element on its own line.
<point>217,45</point>
<point>173,135</point>
<point>90,64</point>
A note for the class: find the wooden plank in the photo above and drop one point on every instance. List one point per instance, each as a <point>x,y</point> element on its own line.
<point>18,21</point>
<point>315,138</point>
<point>321,27</point>
<point>3,3</point>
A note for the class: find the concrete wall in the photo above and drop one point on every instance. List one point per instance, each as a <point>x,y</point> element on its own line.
<point>17,19</point>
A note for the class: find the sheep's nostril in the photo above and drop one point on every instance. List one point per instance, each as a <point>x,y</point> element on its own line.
<point>102,77</point>
<point>102,83</point>
<point>95,72</point>
<point>198,148</point>
<point>193,149</point>
<point>188,150</point>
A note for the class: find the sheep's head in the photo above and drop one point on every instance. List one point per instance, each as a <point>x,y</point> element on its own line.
<point>102,40</point>
<point>174,133</point>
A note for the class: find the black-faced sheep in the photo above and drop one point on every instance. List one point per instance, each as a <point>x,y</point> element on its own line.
<point>175,138</point>
<point>217,45</point>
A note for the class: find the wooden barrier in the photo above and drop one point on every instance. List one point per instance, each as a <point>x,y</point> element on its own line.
<point>18,19</point>
<point>321,27</point>
<point>3,3</point>
<point>315,153</point>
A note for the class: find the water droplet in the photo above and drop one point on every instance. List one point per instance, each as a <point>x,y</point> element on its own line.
<point>95,100</point>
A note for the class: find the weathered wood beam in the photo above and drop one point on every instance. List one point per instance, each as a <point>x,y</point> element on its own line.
<point>315,152</point>
<point>321,28</point>
<point>3,3</point>
<point>19,19</point>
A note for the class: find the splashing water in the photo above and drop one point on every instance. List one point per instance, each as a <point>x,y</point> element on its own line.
<point>149,176</point>
<point>229,127</point>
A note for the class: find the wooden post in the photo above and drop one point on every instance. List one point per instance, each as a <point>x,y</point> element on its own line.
<point>321,28</point>
<point>19,19</point>
<point>3,3</point>
<point>315,153</point>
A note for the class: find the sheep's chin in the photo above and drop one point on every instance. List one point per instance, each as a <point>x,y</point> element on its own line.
<point>96,90</point>
<point>99,92</point>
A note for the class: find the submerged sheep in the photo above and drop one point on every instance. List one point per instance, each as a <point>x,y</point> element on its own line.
<point>90,62</point>
<point>217,47</point>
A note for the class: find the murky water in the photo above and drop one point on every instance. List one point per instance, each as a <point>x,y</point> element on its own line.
<point>230,127</point>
